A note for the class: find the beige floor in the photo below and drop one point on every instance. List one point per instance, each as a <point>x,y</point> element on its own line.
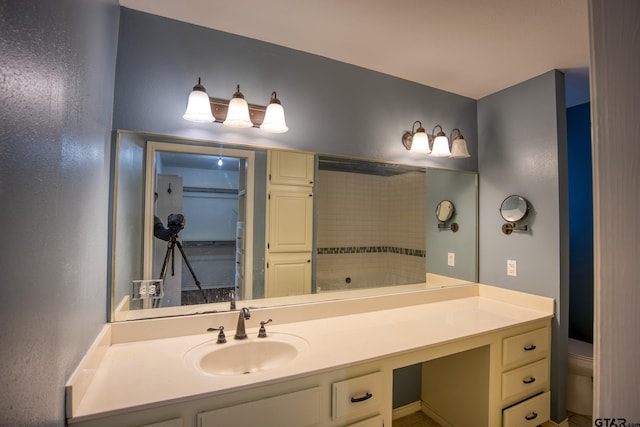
<point>419,419</point>
<point>577,420</point>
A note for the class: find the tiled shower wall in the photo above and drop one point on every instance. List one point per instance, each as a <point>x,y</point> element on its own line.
<point>370,224</point>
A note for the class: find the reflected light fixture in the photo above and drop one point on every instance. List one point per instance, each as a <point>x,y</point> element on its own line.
<point>440,143</point>
<point>417,139</point>
<point>220,163</point>
<point>458,145</point>
<point>198,106</point>
<point>274,116</point>
<point>238,112</point>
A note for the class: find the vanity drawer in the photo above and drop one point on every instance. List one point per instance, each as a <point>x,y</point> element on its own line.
<point>530,413</point>
<point>376,421</point>
<point>357,396</point>
<point>528,378</point>
<point>525,346</point>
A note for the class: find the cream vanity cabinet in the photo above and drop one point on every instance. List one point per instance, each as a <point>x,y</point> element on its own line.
<point>484,363</point>
<point>525,378</point>
<point>354,396</point>
<point>355,401</point>
<point>289,223</point>
<point>454,388</point>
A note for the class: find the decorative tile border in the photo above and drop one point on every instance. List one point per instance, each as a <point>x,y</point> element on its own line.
<point>371,249</point>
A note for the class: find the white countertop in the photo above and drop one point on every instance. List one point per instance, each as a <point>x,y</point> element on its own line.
<point>143,374</point>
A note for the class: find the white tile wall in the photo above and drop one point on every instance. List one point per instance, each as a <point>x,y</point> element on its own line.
<point>367,210</point>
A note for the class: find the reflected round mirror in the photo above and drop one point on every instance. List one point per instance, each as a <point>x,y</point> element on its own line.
<point>514,208</point>
<point>444,210</point>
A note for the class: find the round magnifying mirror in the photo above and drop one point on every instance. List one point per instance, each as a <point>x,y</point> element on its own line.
<point>514,208</point>
<point>444,210</point>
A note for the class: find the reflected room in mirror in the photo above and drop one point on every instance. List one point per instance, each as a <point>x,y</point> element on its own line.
<point>370,234</point>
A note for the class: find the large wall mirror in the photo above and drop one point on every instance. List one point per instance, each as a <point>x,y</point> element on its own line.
<point>374,228</point>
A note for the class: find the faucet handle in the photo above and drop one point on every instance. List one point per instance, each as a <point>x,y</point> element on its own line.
<point>221,337</point>
<point>262,333</point>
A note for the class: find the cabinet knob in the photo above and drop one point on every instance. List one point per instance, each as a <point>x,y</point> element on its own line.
<point>529,380</point>
<point>531,416</point>
<point>529,347</point>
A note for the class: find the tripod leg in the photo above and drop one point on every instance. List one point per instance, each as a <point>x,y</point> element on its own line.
<point>193,274</point>
<point>163,271</point>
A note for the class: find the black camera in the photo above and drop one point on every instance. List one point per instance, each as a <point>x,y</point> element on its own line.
<point>175,222</point>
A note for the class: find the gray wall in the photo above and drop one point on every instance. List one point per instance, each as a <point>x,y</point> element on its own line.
<point>56,98</point>
<point>461,189</point>
<point>615,106</point>
<point>522,131</point>
<point>331,107</point>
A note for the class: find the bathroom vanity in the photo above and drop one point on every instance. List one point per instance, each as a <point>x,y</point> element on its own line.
<point>484,354</point>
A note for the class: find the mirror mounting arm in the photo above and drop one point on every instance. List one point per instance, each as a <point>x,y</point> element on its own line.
<point>510,227</point>
<point>453,227</point>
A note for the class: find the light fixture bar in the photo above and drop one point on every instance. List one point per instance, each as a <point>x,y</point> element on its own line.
<point>219,108</point>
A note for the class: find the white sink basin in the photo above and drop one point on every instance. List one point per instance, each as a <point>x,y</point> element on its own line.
<point>249,356</point>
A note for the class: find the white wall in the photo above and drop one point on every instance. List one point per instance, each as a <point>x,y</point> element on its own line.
<point>615,89</point>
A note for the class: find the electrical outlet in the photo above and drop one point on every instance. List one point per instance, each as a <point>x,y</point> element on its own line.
<point>451,259</point>
<point>512,268</point>
<point>142,289</point>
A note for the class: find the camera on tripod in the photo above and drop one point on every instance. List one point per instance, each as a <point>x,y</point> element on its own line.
<point>175,223</point>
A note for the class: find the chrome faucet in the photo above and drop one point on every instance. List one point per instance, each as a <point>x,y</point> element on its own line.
<point>242,316</point>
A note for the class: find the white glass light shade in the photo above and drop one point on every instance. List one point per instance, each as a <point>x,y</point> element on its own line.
<point>459,148</point>
<point>441,147</point>
<point>274,119</point>
<point>238,114</point>
<point>198,106</point>
<point>420,142</point>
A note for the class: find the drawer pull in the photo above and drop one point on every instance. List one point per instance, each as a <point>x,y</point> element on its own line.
<point>361,399</point>
<point>530,347</point>
<point>531,416</point>
<point>529,380</point>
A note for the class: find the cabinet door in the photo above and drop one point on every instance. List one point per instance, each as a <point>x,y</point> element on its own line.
<point>288,274</point>
<point>290,220</point>
<point>376,421</point>
<point>169,423</point>
<point>298,409</point>
<point>290,168</point>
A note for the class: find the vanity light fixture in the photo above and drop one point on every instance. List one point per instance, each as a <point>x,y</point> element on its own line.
<point>198,107</point>
<point>436,144</point>
<point>458,145</point>
<point>417,139</point>
<point>274,116</point>
<point>440,143</point>
<point>236,113</point>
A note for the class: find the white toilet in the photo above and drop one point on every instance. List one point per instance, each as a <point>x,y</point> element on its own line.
<point>580,381</point>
